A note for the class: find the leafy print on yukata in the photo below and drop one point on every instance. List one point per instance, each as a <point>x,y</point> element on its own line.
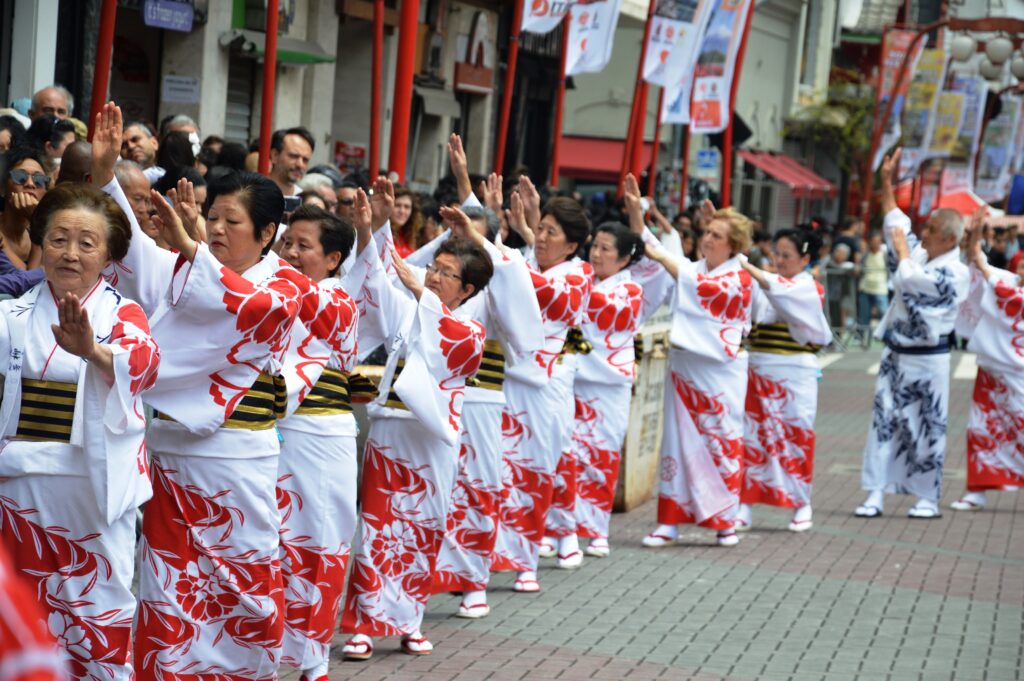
<point>726,298</point>
<point>995,434</point>
<point>914,327</point>
<point>561,300</point>
<point>615,313</point>
<point>131,332</point>
<point>63,573</point>
<point>1010,300</point>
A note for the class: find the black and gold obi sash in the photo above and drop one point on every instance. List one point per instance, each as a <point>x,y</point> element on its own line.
<point>575,344</point>
<point>329,396</point>
<point>394,401</point>
<point>491,374</point>
<point>47,410</point>
<point>776,339</point>
<point>261,406</point>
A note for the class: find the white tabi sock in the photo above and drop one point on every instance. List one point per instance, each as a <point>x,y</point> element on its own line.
<point>471,598</point>
<point>568,545</point>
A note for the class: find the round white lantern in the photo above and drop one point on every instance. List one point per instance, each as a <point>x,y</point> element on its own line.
<point>998,50</point>
<point>990,71</point>
<point>1017,67</point>
<point>962,48</point>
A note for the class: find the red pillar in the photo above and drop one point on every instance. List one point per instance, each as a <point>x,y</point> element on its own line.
<point>402,107</point>
<point>652,173</point>
<point>556,147</point>
<point>684,180</point>
<point>375,84</point>
<point>639,110</point>
<point>104,55</point>
<point>636,158</point>
<point>506,94</point>
<point>269,73</point>
<point>726,198</point>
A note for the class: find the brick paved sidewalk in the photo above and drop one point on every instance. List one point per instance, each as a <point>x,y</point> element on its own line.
<point>890,598</point>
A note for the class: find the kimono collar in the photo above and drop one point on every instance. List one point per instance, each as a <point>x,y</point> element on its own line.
<point>952,255</point>
<point>729,265</point>
<point>620,276</point>
<point>262,270</point>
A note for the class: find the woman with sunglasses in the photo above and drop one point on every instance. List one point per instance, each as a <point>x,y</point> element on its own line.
<point>317,468</point>
<point>210,583</point>
<point>410,460</point>
<point>24,183</point>
<point>539,404</point>
<point>702,446</point>
<point>78,355</point>
<point>789,328</point>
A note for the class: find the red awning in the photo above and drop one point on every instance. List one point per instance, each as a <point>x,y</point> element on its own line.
<point>596,159</point>
<point>805,183</point>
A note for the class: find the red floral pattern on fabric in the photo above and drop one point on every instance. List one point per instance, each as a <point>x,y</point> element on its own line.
<point>131,332</point>
<point>462,344</point>
<point>1010,300</point>
<point>561,298</point>
<point>995,436</point>
<point>726,296</point>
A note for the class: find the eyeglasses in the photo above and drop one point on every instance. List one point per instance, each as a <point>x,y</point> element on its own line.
<point>434,269</point>
<point>20,176</point>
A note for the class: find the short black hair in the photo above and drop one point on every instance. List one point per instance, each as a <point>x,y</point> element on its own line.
<point>49,129</point>
<point>277,141</point>
<point>260,196</point>
<point>627,242</point>
<point>22,152</point>
<point>175,151</point>
<point>477,268</point>
<point>337,235</point>
<point>571,217</point>
<point>232,155</point>
<point>806,241</point>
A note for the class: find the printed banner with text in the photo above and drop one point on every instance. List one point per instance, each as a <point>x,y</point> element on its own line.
<point>591,34</point>
<point>542,16</point>
<point>671,54</point>
<point>997,152</point>
<point>711,108</point>
<point>919,116</point>
<point>894,49</point>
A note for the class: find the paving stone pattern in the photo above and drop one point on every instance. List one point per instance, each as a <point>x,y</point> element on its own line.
<point>885,599</point>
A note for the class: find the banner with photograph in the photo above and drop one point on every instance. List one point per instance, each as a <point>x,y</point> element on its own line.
<point>672,44</point>
<point>711,106</point>
<point>542,16</point>
<point>894,50</point>
<point>591,34</point>
<point>997,152</point>
<point>919,113</point>
<point>948,113</point>
<point>961,160</point>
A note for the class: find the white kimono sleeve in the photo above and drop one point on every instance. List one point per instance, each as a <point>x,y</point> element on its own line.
<point>424,255</point>
<point>655,281</point>
<point>799,303</point>
<point>512,300</point>
<point>146,271</point>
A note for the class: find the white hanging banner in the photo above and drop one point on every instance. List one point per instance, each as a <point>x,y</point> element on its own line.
<point>591,34</point>
<point>672,43</point>
<point>711,106</point>
<point>542,16</point>
<point>671,53</point>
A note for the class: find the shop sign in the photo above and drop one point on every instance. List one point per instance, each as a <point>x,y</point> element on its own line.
<point>476,73</point>
<point>167,14</point>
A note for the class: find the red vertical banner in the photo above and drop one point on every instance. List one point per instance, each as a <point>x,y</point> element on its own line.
<point>269,87</point>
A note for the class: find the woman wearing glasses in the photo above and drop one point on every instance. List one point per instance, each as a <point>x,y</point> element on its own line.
<point>411,456</point>
<point>24,184</point>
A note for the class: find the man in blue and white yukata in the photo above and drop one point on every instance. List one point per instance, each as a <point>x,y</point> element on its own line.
<point>907,442</point>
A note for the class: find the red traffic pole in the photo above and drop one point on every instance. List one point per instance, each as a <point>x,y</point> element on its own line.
<point>638,112</point>
<point>684,179</point>
<point>402,108</point>
<point>726,197</point>
<point>506,94</point>
<point>652,173</point>
<point>269,73</point>
<point>104,55</point>
<point>556,147</point>
<point>375,81</point>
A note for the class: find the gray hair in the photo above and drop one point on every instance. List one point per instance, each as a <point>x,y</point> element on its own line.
<point>64,93</point>
<point>950,222</point>
<point>315,181</point>
<point>478,213</point>
<point>179,120</point>
<point>125,172</point>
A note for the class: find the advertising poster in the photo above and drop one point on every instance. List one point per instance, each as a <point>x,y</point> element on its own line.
<point>542,16</point>
<point>948,112</point>
<point>919,113</point>
<point>961,160</point>
<point>671,55</point>
<point>997,152</point>
<point>711,107</point>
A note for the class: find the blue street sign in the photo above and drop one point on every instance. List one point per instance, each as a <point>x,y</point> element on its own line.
<point>168,14</point>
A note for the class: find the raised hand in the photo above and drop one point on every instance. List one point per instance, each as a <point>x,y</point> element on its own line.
<point>382,201</point>
<point>362,220</point>
<point>899,244</point>
<point>74,335</point>
<point>106,143</point>
<point>171,228</point>
<point>517,218</point>
<point>494,197</point>
<point>184,200</point>
<point>631,201</point>
<point>707,212</point>
<point>531,202</point>
<point>460,224</point>
<point>405,275</point>
<point>891,165</point>
<point>460,166</point>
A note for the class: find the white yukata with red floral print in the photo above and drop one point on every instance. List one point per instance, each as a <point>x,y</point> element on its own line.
<point>411,456</point>
<point>603,390</point>
<point>210,589</point>
<point>782,396</point>
<point>67,509</point>
<point>538,416</point>
<point>509,312</point>
<point>317,479</point>
<point>995,430</point>
<point>702,444</point>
